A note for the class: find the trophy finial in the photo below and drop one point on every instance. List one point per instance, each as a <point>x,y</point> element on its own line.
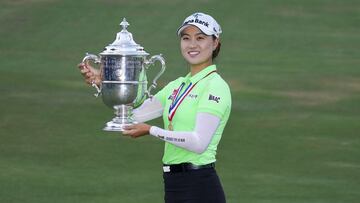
<point>124,24</point>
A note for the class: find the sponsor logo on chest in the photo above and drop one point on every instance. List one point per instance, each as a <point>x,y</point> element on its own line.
<point>190,95</point>
<point>173,94</point>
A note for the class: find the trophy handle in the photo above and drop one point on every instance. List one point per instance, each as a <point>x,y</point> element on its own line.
<point>149,62</point>
<point>96,60</point>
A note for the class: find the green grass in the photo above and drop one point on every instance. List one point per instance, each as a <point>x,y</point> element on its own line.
<point>293,68</point>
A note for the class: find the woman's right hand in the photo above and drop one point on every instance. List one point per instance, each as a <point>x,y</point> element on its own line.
<point>90,74</point>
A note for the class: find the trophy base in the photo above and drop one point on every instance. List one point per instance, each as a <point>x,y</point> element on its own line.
<point>118,124</point>
<point>123,118</point>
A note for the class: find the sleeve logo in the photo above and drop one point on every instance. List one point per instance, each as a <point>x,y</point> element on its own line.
<point>214,98</point>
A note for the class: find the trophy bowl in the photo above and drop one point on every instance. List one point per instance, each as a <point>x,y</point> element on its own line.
<point>114,94</point>
<point>123,65</point>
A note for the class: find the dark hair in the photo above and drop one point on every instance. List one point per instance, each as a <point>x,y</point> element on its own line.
<point>217,50</point>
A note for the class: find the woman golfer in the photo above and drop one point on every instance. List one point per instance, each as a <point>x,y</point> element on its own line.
<point>195,110</point>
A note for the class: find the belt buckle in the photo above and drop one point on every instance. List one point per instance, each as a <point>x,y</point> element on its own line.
<point>166,169</point>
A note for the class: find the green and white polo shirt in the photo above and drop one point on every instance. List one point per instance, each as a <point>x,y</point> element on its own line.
<point>210,95</point>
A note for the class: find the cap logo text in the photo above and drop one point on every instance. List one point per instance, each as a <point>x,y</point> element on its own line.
<point>197,21</point>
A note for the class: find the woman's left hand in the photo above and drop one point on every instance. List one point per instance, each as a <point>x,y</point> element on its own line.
<point>137,130</point>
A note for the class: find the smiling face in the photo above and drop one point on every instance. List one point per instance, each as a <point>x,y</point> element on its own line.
<point>196,47</point>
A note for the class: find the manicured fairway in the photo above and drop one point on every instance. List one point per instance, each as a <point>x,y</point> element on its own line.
<point>294,71</point>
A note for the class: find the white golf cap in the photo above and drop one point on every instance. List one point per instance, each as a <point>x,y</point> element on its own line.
<point>204,22</point>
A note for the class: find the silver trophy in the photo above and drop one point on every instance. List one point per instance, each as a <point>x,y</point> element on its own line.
<point>123,66</point>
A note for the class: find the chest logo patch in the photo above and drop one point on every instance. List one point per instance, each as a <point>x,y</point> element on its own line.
<point>173,94</point>
<point>193,96</point>
<point>214,98</point>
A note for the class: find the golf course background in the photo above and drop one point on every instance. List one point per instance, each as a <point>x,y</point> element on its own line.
<point>293,68</point>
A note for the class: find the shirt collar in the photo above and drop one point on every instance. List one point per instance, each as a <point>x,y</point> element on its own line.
<point>200,75</point>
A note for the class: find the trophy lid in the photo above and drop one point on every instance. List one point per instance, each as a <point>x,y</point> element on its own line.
<point>124,44</point>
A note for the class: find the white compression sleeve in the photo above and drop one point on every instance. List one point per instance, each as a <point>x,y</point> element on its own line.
<point>150,109</point>
<point>196,141</point>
